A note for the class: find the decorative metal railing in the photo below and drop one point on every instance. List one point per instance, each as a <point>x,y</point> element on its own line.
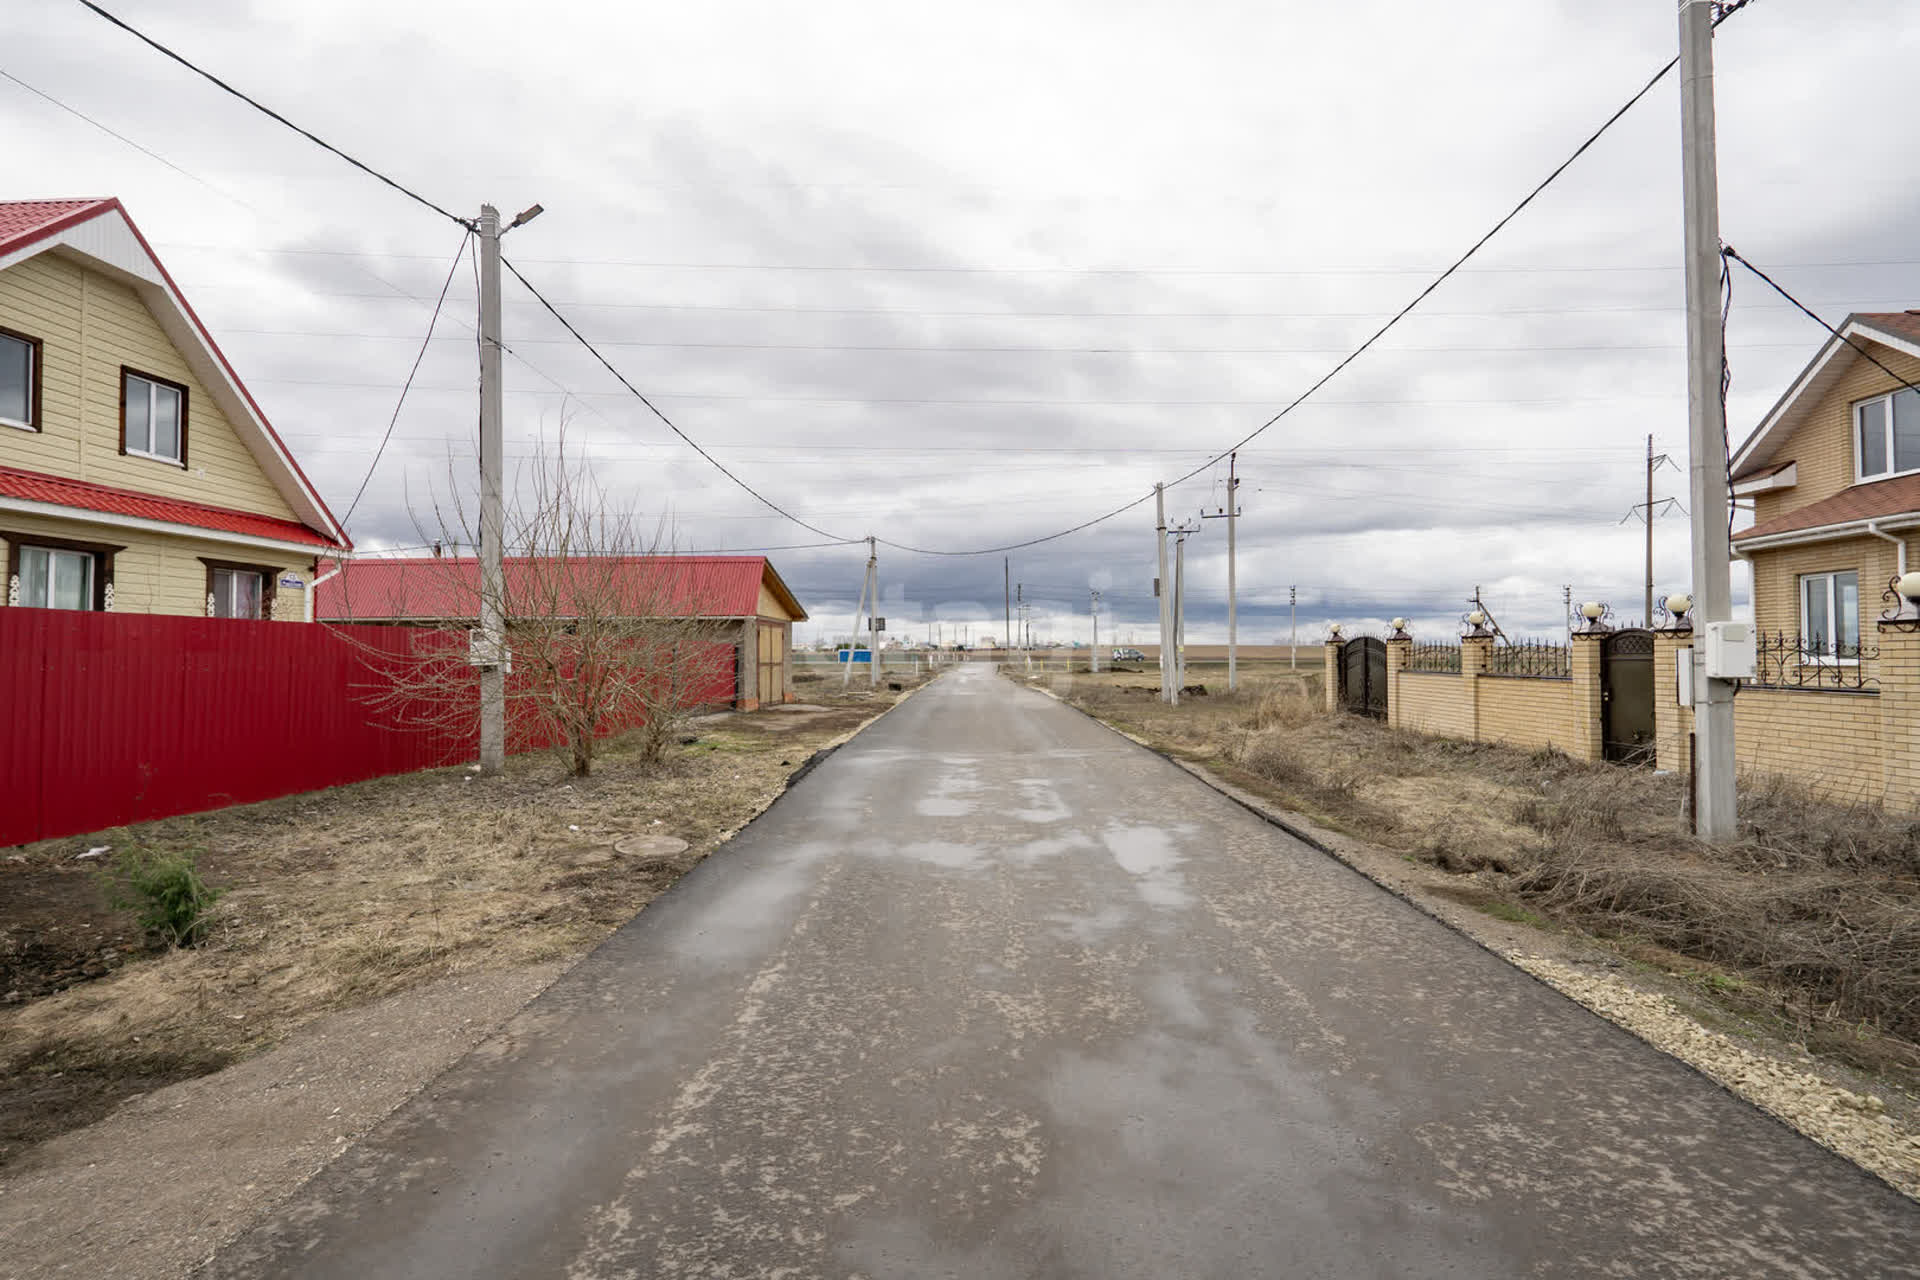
<point>1538,659</point>
<point>1785,661</point>
<point>1435,657</point>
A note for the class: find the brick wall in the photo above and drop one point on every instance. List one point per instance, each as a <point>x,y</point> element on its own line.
<point>1521,711</point>
<point>1849,747</point>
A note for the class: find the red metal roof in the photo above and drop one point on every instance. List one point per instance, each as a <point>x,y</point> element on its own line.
<point>421,588</point>
<point>24,221</point>
<point>34,486</point>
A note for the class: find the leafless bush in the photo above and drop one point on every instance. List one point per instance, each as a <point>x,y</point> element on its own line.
<point>601,623</point>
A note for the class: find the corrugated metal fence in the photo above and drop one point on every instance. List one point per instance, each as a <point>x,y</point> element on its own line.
<point>107,719</point>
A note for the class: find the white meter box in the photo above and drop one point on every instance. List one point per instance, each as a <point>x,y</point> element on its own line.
<point>1728,651</point>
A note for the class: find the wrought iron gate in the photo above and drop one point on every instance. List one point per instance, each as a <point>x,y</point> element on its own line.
<point>1626,696</point>
<point>1363,676</point>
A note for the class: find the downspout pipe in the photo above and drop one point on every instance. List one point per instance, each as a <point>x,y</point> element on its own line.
<point>313,588</point>
<point>1873,527</point>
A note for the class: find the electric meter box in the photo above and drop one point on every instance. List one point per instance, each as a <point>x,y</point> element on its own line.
<point>1728,651</point>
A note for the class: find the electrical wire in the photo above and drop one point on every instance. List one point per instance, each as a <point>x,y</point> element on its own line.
<point>270,113</point>
<point>1728,251</point>
<point>466,238</point>
<point>671,425</point>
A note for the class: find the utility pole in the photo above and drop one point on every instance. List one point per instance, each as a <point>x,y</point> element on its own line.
<point>859,612</point>
<point>1180,602</point>
<point>494,657</point>
<point>1648,510</point>
<point>1161,588</point>
<point>493,673</point>
<point>1006,578</point>
<point>1094,651</point>
<point>1566,609</point>
<point>873,622</point>
<point>1713,780</point>
<point>1231,515</point>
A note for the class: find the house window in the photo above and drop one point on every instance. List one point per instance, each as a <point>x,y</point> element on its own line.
<point>236,593</point>
<point>1886,434</point>
<point>153,418</point>
<point>1830,617</point>
<point>239,590</point>
<point>53,578</point>
<point>19,380</point>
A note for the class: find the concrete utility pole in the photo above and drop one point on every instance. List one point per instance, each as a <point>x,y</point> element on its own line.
<point>1094,651</point>
<point>493,673</point>
<point>1006,580</point>
<point>1181,535</point>
<point>859,612</point>
<point>1162,589</point>
<point>1231,515</point>
<point>873,622</point>
<point>1713,790</point>
<point>1293,629</point>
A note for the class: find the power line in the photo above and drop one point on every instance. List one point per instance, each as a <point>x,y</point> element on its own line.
<point>655,409</point>
<point>1728,251</point>
<point>270,113</point>
<point>465,238</point>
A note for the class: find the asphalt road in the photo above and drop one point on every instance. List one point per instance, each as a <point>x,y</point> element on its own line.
<point>994,993</point>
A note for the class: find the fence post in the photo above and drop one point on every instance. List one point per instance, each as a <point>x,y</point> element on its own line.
<point>1474,654</point>
<point>1671,721</point>
<point>1584,663</point>
<point>1399,650</point>
<point>1900,716</point>
<point>1332,650</point>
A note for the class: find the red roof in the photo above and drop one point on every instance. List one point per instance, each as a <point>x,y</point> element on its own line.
<point>1901,324</point>
<point>33,486</point>
<point>24,221</point>
<point>434,588</point>
<point>1895,497</point>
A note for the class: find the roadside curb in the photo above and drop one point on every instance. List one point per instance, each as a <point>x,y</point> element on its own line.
<point>1327,842</point>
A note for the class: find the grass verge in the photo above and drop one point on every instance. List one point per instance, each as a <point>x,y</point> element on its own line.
<point>337,898</point>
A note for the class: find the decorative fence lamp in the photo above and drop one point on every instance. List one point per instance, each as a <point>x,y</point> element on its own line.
<point>1594,612</point>
<point>1477,623</point>
<point>1906,608</point>
<point>1677,606</point>
<point>1333,631</point>
<point>1399,629</point>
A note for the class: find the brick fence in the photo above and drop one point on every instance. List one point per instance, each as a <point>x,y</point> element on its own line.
<point>1848,745</point>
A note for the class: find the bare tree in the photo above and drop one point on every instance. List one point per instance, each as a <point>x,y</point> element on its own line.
<point>603,633</point>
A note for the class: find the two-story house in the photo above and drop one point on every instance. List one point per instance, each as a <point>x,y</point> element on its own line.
<point>136,472</point>
<point>1833,472</point>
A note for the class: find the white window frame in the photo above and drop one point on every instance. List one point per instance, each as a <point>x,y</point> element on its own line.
<point>180,423</point>
<point>54,557</point>
<point>33,382</point>
<point>1859,407</point>
<point>260,593</point>
<point>1829,657</point>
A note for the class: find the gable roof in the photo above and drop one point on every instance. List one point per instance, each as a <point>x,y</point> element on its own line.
<point>1898,330</point>
<point>99,233</point>
<point>447,588</point>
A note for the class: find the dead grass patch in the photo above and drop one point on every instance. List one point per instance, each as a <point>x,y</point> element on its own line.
<point>342,897</point>
<point>1811,920</point>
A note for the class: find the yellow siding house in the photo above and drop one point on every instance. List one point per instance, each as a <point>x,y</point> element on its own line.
<point>136,473</point>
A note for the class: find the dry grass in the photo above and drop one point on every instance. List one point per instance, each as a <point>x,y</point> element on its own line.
<point>1811,919</point>
<point>341,897</point>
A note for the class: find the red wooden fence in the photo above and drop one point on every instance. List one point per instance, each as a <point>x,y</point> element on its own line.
<point>107,719</point>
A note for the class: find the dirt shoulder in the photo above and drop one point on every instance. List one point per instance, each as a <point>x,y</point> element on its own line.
<point>370,935</point>
<point>1444,825</point>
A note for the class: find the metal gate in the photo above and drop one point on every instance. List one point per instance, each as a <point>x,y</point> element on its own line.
<point>1363,676</point>
<point>1626,696</point>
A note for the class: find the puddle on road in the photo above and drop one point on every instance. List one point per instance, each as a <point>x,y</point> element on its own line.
<point>1042,801</point>
<point>1149,856</point>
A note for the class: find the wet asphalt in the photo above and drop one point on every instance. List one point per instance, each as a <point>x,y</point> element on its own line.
<point>995,993</point>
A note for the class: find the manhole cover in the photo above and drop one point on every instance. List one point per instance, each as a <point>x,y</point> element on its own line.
<point>650,847</point>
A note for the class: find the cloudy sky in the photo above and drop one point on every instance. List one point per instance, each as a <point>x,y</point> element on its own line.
<point>964,276</point>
